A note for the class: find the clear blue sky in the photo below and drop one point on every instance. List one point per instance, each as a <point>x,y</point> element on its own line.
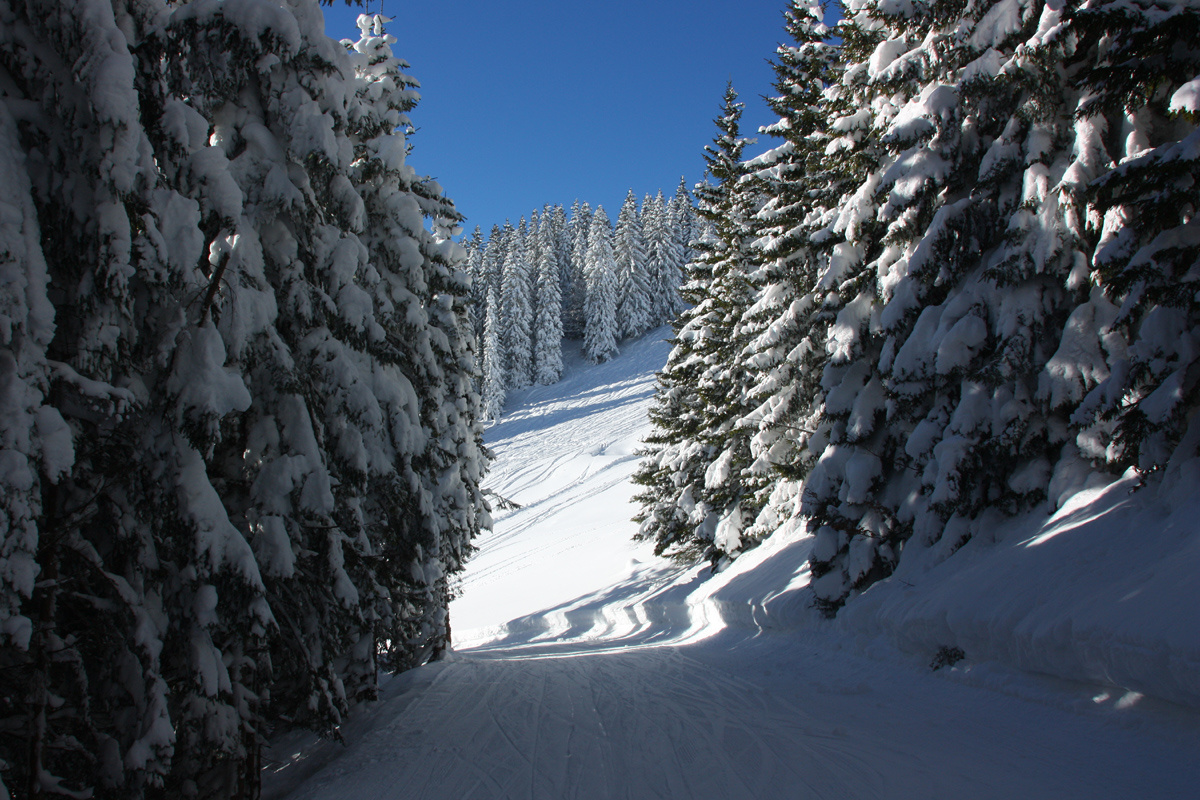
<point>528,102</point>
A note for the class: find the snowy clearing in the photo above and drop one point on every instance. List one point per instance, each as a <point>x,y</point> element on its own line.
<point>587,668</point>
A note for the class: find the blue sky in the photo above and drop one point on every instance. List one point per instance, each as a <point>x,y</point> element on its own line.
<point>530,102</point>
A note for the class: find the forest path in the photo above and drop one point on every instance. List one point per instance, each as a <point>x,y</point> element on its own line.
<point>587,668</point>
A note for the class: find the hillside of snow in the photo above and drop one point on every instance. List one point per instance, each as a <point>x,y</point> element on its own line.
<point>586,667</point>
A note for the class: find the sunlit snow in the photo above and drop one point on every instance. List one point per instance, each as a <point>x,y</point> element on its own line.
<point>585,667</point>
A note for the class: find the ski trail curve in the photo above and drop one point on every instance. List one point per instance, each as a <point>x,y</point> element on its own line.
<point>588,670</point>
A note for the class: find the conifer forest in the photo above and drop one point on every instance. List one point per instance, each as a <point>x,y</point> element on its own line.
<point>249,356</point>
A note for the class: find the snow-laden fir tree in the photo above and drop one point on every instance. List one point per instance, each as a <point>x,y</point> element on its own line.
<point>633,285</point>
<point>494,386</point>
<point>664,262</point>
<point>493,260</point>
<point>516,309</point>
<point>547,323</point>
<point>474,247</point>
<point>600,275</point>
<point>930,238</point>
<point>699,497</point>
<point>1142,87</point>
<point>261,460</point>
<point>683,221</point>
<point>533,255</point>
<point>574,316</point>
<point>561,237</point>
<point>788,324</point>
<point>931,418</point>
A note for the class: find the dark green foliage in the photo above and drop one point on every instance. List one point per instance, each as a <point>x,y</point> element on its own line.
<point>700,496</point>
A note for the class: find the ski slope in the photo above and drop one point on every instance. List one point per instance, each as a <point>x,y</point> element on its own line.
<point>587,668</point>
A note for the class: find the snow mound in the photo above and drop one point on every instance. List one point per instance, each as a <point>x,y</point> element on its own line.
<point>1103,591</point>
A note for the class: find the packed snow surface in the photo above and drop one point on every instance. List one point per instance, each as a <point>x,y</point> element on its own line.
<point>587,668</point>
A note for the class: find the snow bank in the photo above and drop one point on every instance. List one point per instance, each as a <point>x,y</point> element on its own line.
<point>1103,591</point>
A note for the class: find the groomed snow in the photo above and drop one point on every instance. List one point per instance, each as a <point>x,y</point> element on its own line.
<point>587,668</point>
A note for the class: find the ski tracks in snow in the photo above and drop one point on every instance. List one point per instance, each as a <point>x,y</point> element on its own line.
<point>587,723</point>
<point>641,724</point>
<point>596,678</point>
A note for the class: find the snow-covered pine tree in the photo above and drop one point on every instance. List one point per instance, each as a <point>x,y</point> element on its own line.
<point>516,308</point>
<point>86,694</point>
<point>789,322</point>
<point>493,260</point>
<point>1142,86</point>
<point>633,284</point>
<point>574,302</point>
<point>455,460</point>
<point>561,235</point>
<point>960,257</point>
<point>547,323</point>
<point>600,309</point>
<point>248,386</point>
<point>474,247</point>
<point>699,500</point>
<point>682,216</point>
<point>533,255</point>
<point>664,262</point>
<point>494,387</point>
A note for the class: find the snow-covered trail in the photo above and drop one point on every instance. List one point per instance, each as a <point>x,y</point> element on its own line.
<point>565,454</point>
<point>586,668</point>
<point>734,717</point>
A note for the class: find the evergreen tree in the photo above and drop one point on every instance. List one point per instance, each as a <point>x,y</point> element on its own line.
<point>600,330</point>
<point>699,498</point>
<point>788,325</point>
<point>516,308</point>
<point>493,379</point>
<point>548,336</point>
<point>938,328</point>
<point>574,315</point>
<point>664,262</point>
<point>475,247</point>
<point>254,437</point>
<point>561,237</point>
<point>633,284</point>
<point>533,256</point>
<point>929,238</point>
<point>493,260</point>
<point>683,221</point>
<point>1143,85</point>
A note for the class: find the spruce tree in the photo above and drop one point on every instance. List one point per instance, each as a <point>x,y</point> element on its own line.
<point>1141,82</point>
<point>561,237</point>
<point>683,220</point>
<point>633,284</point>
<point>664,261</point>
<point>516,308</point>
<point>600,309</point>
<point>788,325</point>
<point>548,335</point>
<point>699,500</point>
<point>494,387</point>
<point>255,447</point>
<point>574,315</point>
<point>475,247</point>
<point>939,326</point>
